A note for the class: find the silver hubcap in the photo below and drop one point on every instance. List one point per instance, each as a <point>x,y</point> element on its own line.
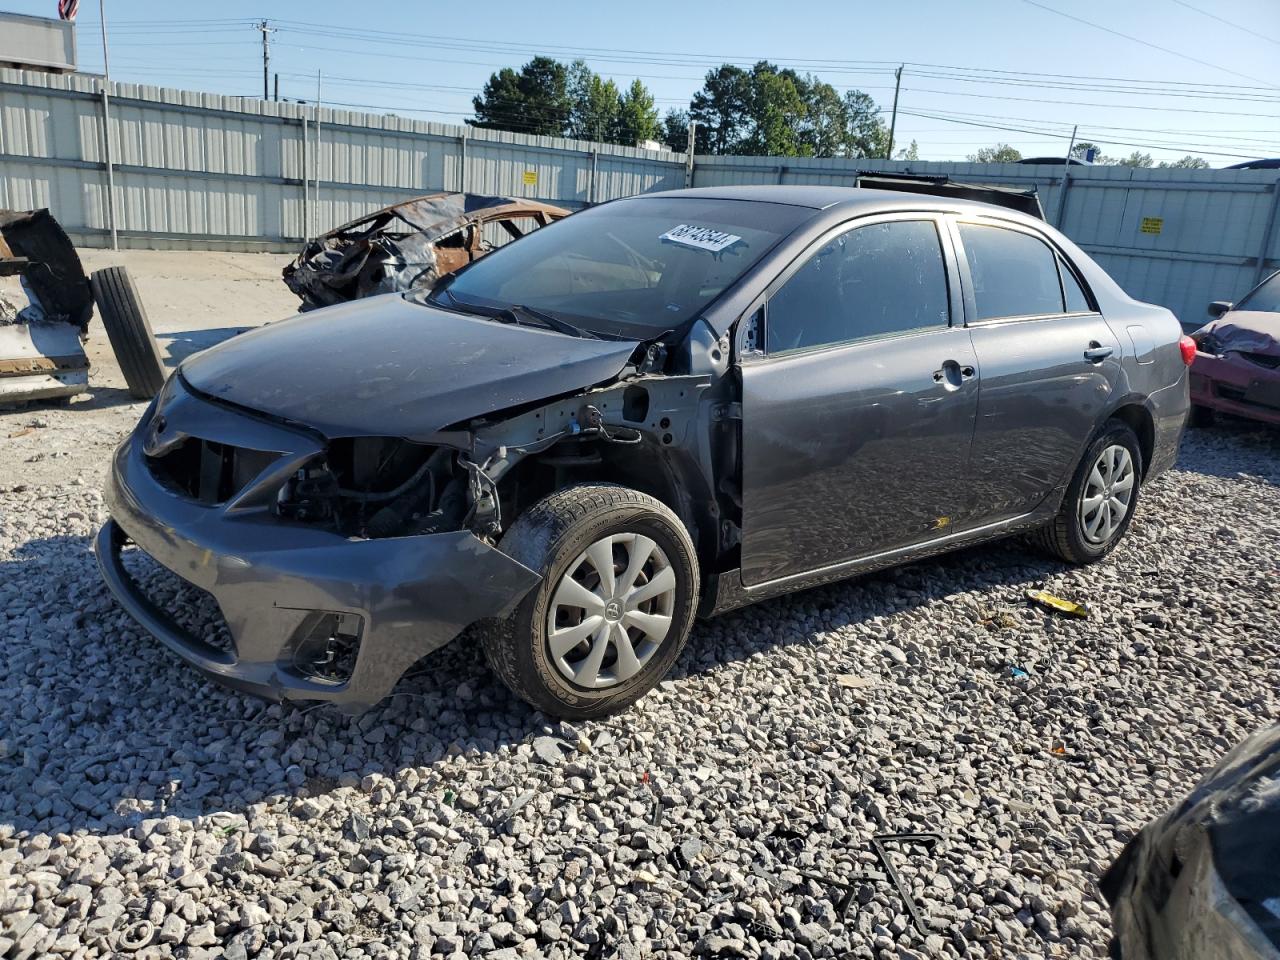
<point>611,610</point>
<point>1107,493</point>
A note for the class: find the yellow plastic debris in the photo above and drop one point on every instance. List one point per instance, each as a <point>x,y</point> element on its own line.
<point>1048,600</point>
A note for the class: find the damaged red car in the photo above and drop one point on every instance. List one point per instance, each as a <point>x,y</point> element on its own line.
<point>1237,363</point>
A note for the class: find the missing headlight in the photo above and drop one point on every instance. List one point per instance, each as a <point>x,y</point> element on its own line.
<point>379,487</point>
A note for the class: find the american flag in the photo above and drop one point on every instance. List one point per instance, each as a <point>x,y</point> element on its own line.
<point>67,9</point>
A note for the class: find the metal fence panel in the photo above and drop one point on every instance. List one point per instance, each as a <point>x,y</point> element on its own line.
<point>208,171</point>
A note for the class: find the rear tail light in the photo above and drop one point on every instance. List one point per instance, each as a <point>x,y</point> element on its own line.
<point>1188,348</point>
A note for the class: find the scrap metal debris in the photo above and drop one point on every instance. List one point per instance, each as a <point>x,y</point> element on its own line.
<point>785,840</point>
<point>41,352</point>
<point>410,244</point>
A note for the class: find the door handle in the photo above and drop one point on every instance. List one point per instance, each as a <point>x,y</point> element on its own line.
<point>1096,352</point>
<point>951,374</point>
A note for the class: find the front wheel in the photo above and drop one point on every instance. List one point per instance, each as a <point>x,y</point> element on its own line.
<point>613,610</point>
<point>1101,499</point>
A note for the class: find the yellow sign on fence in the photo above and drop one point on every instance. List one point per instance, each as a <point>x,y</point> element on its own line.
<point>1152,224</point>
<point>531,177</point>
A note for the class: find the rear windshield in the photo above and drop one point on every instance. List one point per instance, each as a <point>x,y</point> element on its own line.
<point>636,268</point>
<point>1265,297</point>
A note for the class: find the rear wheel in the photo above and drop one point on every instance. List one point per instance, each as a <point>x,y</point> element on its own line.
<point>613,611</point>
<point>1100,501</point>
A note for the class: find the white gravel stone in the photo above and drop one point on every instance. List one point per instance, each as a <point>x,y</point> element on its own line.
<point>453,820</point>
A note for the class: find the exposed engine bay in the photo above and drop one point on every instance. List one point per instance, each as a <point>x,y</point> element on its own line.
<point>378,487</point>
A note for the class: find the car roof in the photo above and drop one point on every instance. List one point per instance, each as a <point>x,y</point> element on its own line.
<point>851,199</point>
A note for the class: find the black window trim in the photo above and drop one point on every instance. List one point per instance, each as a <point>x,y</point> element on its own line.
<point>955,303</point>
<point>1059,256</point>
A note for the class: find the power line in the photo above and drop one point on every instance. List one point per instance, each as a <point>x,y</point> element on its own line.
<point>1213,16</point>
<point>1105,106</point>
<point>1147,43</point>
<point>1118,143</point>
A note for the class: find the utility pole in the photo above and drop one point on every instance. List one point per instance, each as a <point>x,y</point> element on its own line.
<point>106,127</point>
<point>688,156</point>
<point>893,120</point>
<point>266,29</point>
<point>316,195</point>
<point>1066,178</point>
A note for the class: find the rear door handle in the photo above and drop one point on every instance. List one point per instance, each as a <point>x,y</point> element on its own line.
<point>951,374</point>
<point>1096,352</point>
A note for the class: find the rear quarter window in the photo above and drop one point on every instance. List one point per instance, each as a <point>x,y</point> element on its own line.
<point>1076,300</point>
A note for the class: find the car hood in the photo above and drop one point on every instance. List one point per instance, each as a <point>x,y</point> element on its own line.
<point>385,366</point>
<point>1251,331</point>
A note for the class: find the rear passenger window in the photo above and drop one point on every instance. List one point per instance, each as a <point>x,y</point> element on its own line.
<point>1077,302</point>
<point>871,281</point>
<point>1014,274</point>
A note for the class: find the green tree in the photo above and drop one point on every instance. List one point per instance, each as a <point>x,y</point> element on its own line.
<point>865,134</point>
<point>637,115</point>
<point>1136,159</point>
<point>777,112</point>
<point>594,104</point>
<point>824,128</point>
<point>1186,163</point>
<point>721,109</point>
<point>909,153</point>
<point>1000,153</point>
<point>675,131</point>
<point>533,100</point>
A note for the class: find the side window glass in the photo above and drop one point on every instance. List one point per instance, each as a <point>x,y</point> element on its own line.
<point>1077,302</point>
<point>872,281</point>
<point>1014,274</point>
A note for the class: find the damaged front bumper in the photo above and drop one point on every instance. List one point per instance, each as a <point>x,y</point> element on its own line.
<point>1230,383</point>
<point>278,582</point>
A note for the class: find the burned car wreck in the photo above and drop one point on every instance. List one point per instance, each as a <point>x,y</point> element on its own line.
<point>41,344</point>
<point>409,244</point>
<point>665,406</point>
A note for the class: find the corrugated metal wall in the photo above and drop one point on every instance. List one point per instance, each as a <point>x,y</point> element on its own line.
<point>203,170</point>
<point>1205,229</point>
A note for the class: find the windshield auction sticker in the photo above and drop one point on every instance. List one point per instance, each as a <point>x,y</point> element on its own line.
<point>701,238</point>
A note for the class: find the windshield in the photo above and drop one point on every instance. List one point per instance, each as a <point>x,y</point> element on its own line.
<point>1264,297</point>
<point>637,268</point>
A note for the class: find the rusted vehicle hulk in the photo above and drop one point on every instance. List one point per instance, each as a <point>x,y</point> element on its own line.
<point>409,244</point>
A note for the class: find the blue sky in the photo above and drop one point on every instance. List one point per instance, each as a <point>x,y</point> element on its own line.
<point>1213,90</point>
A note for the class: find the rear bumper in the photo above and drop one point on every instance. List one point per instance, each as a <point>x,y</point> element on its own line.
<point>1233,385</point>
<point>1168,408</point>
<point>271,579</point>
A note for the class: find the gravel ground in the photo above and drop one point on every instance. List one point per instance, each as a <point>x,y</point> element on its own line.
<point>147,811</point>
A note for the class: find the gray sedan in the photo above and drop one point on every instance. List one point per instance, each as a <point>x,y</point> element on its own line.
<point>659,408</point>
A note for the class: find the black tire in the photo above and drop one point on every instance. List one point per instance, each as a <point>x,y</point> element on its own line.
<point>128,330</point>
<point>1065,536</point>
<point>549,537</point>
<point>1200,416</point>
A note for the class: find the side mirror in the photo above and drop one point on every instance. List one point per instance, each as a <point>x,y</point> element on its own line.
<point>1219,307</point>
